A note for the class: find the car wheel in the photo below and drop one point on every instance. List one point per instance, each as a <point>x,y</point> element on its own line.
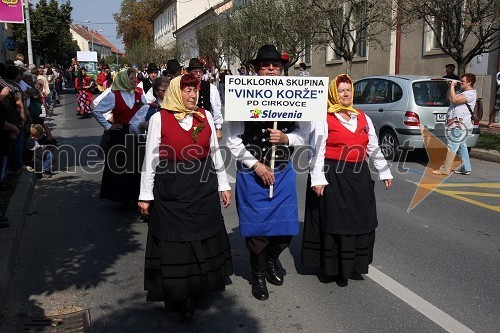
<point>389,144</point>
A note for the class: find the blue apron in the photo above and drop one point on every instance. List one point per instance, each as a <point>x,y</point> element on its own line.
<point>258,214</point>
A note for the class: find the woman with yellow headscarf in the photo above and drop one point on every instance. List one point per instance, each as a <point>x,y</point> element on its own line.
<point>341,216</point>
<point>187,252</point>
<point>121,177</point>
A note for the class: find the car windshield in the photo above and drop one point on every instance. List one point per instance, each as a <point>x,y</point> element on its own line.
<point>431,93</point>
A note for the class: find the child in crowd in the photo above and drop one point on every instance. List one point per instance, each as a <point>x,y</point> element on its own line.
<point>42,149</point>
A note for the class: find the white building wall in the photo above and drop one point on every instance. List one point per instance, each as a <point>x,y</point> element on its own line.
<point>83,44</point>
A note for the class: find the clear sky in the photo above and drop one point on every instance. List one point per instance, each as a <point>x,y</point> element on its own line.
<point>100,14</point>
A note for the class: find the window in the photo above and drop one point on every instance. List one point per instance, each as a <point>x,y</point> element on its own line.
<point>360,19</point>
<point>439,32</point>
<point>378,92</point>
<point>306,56</point>
<point>331,55</point>
<point>359,88</point>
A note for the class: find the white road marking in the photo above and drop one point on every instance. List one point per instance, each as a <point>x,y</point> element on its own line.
<point>438,316</point>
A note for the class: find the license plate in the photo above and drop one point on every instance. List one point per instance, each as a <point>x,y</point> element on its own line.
<point>441,117</point>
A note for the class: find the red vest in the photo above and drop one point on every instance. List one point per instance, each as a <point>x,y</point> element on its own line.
<point>342,144</point>
<point>178,144</point>
<point>122,113</point>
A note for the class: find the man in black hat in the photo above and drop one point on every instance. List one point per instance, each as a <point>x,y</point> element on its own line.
<point>147,83</point>
<point>268,224</point>
<point>174,69</point>
<point>208,97</point>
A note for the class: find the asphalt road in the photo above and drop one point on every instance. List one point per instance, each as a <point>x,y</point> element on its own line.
<point>435,269</point>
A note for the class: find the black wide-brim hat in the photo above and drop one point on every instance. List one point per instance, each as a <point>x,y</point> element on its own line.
<point>152,68</point>
<point>194,63</point>
<point>268,53</point>
<point>173,66</point>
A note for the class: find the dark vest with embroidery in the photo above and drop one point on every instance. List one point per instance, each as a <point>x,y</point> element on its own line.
<point>256,140</point>
<point>204,96</point>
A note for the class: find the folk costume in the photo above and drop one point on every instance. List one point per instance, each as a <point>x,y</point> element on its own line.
<point>268,224</point>
<point>121,175</point>
<point>84,95</point>
<point>339,226</point>
<point>188,251</point>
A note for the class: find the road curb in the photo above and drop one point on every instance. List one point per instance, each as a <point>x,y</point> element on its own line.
<point>485,155</point>
<point>10,237</point>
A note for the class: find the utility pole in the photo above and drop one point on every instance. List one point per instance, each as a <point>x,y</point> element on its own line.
<point>28,31</point>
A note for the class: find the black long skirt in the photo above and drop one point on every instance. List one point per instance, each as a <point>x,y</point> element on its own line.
<point>121,176</point>
<point>188,252</point>
<point>339,227</point>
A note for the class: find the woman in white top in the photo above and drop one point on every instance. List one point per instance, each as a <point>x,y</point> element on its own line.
<point>341,214</point>
<point>121,175</point>
<point>459,124</point>
<point>187,252</point>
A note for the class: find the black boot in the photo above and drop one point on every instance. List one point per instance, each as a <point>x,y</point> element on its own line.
<point>259,288</point>
<point>187,309</point>
<point>274,275</point>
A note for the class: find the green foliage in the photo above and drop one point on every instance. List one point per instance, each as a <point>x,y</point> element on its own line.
<point>50,34</point>
<point>133,21</point>
<point>144,51</point>
<point>241,31</point>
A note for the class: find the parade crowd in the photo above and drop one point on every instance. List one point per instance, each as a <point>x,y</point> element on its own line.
<point>161,133</point>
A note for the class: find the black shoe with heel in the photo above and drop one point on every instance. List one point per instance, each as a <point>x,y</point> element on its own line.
<point>274,275</point>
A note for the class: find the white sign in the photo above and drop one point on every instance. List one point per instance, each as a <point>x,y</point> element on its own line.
<point>275,98</point>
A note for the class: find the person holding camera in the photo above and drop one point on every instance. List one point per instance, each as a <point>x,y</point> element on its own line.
<point>459,124</point>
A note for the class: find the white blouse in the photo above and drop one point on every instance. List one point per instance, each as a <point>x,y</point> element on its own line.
<point>152,158</point>
<point>317,140</point>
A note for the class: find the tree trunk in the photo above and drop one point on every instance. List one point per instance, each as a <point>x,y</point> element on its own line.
<point>348,68</point>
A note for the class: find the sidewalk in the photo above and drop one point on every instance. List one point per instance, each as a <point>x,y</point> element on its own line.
<point>483,154</point>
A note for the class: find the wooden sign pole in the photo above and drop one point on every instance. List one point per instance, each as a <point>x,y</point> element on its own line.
<point>271,165</point>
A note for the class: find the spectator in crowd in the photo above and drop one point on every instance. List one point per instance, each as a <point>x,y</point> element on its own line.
<point>459,124</point>
<point>450,72</point>
<point>43,149</point>
<point>303,69</point>
<point>496,108</point>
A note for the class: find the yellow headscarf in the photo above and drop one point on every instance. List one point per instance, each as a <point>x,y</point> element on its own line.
<point>173,100</point>
<point>334,104</point>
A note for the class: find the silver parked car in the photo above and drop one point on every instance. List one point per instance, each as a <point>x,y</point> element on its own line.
<point>399,104</point>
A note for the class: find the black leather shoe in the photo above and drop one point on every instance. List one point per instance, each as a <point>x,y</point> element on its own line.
<point>259,288</point>
<point>342,281</point>
<point>274,275</point>
<point>187,309</point>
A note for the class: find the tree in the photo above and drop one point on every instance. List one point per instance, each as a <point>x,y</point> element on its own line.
<point>133,21</point>
<point>285,24</point>
<point>212,44</point>
<point>144,51</point>
<point>50,32</point>
<point>347,26</point>
<point>461,29</point>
